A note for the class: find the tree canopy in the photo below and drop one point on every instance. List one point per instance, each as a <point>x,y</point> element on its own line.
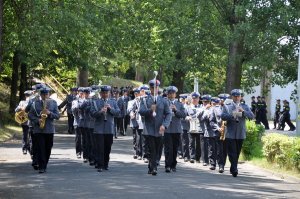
<point>226,44</point>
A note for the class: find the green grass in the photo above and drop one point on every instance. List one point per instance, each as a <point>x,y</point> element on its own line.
<point>272,167</point>
<point>9,131</point>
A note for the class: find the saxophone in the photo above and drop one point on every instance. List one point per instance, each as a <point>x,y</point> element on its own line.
<point>43,114</point>
<point>222,130</point>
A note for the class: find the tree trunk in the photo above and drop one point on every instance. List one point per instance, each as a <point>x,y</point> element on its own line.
<point>1,35</point>
<point>82,77</point>
<point>23,81</point>
<point>139,73</point>
<point>234,65</point>
<point>14,82</point>
<point>178,80</point>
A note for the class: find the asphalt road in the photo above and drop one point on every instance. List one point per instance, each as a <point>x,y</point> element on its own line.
<point>68,177</point>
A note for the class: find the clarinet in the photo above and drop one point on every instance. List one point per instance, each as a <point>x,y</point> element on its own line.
<point>105,112</point>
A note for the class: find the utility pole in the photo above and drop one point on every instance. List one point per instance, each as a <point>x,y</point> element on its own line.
<point>298,95</point>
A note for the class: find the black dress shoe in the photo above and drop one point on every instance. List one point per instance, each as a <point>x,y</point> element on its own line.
<point>35,166</point>
<point>139,158</point>
<point>85,160</point>
<point>154,172</point>
<point>212,167</point>
<point>204,164</point>
<point>168,170</point>
<point>173,169</point>
<point>146,161</point>
<point>180,157</point>
<point>192,161</point>
<point>24,151</point>
<point>221,170</point>
<point>135,157</point>
<point>92,163</point>
<point>100,170</point>
<point>186,159</point>
<point>234,174</point>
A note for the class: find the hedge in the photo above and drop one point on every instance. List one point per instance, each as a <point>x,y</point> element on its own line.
<point>282,150</point>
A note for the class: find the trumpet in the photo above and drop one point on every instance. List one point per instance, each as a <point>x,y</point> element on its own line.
<point>43,114</point>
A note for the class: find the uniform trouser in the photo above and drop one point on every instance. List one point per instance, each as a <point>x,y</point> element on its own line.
<point>215,151</point>
<point>85,147</point>
<point>224,150</point>
<point>286,119</point>
<point>154,144</point>
<point>276,119</point>
<point>34,147</point>
<point>25,143</point>
<point>171,144</point>
<point>78,145</point>
<point>234,147</point>
<point>138,142</point>
<point>195,148</point>
<point>115,126</point>
<point>179,150</point>
<point>265,120</point>
<point>70,123</point>
<point>44,146</point>
<point>160,151</point>
<point>103,148</point>
<point>90,144</point>
<point>204,148</point>
<point>146,153</point>
<point>185,144</point>
<point>120,125</point>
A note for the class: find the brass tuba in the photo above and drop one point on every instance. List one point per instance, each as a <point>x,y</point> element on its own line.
<point>43,114</point>
<point>21,117</point>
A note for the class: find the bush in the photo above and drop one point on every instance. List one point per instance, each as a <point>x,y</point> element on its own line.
<point>252,146</point>
<point>282,150</point>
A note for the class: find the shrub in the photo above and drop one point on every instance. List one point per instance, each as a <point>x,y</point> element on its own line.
<point>252,146</point>
<point>282,150</point>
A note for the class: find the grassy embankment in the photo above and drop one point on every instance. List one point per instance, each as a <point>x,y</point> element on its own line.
<point>8,128</point>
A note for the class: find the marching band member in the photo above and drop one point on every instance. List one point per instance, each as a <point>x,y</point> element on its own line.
<point>42,114</point>
<point>185,127</point>
<point>144,92</point>
<point>78,121</point>
<point>104,110</point>
<point>215,143</point>
<point>235,114</point>
<point>25,125</point>
<point>193,113</point>
<point>68,104</point>
<point>157,118</point>
<point>136,124</point>
<point>206,131</point>
<point>174,131</point>
<point>35,96</point>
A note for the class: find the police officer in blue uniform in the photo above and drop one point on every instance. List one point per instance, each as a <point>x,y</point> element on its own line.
<point>277,113</point>
<point>157,117</point>
<point>104,110</point>
<point>68,104</point>
<point>174,131</point>
<point>45,110</point>
<point>235,114</point>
